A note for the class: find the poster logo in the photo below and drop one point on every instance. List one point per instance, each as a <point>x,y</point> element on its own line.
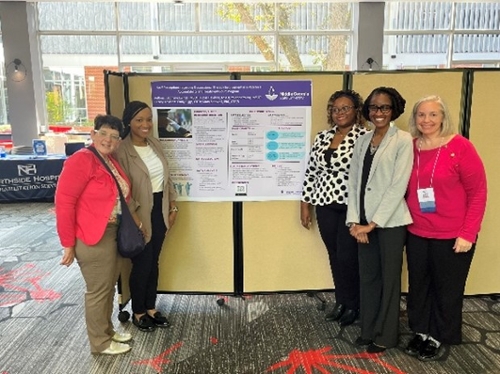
<point>271,94</point>
<point>28,169</point>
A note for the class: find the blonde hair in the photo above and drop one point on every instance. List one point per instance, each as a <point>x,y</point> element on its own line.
<point>446,125</point>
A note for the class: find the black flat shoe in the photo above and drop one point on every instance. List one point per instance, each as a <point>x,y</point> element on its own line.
<point>373,348</point>
<point>415,345</point>
<point>336,313</point>
<point>363,342</point>
<point>429,351</point>
<point>144,323</point>
<point>160,320</point>
<point>348,318</point>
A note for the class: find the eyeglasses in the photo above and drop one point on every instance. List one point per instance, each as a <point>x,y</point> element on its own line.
<point>343,109</point>
<point>104,134</point>
<point>383,108</point>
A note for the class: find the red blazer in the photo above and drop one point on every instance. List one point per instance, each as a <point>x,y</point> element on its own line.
<point>85,196</point>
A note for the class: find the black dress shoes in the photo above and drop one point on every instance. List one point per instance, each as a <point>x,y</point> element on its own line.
<point>336,313</point>
<point>160,320</point>
<point>373,348</point>
<point>363,342</point>
<point>430,351</point>
<point>415,345</point>
<point>348,318</point>
<point>144,323</point>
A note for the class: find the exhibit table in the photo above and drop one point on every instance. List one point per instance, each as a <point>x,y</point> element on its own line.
<point>29,177</point>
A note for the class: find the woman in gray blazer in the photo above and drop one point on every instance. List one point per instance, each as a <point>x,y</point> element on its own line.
<point>377,215</point>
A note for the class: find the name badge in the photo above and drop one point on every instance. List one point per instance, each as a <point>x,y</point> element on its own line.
<point>426,200</point>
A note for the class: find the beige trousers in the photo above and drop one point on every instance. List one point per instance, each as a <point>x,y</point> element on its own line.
<point>100,266</point>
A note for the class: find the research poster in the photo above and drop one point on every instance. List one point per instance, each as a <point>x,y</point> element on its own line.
<point>234,140</point>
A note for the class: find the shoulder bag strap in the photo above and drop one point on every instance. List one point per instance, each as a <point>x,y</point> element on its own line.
<point>94,151</point>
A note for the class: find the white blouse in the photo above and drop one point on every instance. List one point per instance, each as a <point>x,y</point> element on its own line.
<point>154,165</point>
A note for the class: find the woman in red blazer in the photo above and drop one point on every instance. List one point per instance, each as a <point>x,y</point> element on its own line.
<point>87,208</point>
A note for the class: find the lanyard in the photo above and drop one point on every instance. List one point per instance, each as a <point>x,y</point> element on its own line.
<point>435,162</point>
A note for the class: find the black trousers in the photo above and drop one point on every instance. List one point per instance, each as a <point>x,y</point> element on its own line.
<point>342,251</point>
<point>437,277</point>
<point>144,274</point>
<point>380,263</point>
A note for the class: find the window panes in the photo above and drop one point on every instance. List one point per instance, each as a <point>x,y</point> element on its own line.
<point>173,17</point>
<point>80,39</point>
<point>423,31</point>
<point>315,16</point>
<point>477,16</point>
<point>65,95</point>
<point>218,48</point>
<point>483,46</point>
<point>73,71</point>
<point>243,16</point>
<point>313,52</point>
<point>78,45</point>
<point>144,47</point>
<point>81,16</point>
<point>417,16</point>
<point>151,16</point>
<point>137,16</point>
<point>416,51</point>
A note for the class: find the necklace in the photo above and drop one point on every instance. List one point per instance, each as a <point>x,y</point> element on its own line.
<point>373,148</point>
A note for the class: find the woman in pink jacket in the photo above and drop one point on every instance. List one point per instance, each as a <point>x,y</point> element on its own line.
<point>87,207</point>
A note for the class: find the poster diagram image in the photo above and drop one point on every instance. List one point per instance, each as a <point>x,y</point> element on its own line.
<point>272,156</point>
<point>272,146</point>
<point>272,135</point>
<point>183,189</point>
<point>174,123</point>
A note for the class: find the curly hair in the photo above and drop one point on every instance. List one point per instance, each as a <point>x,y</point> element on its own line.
<point>398,103</point>
<point>112,122</point>
<point>356,99</point>
<point>446,126</point>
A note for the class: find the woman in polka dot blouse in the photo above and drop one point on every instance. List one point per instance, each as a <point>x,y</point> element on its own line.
<point>325,188</point>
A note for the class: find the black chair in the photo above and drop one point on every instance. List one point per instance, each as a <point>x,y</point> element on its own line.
<point>71,148</point>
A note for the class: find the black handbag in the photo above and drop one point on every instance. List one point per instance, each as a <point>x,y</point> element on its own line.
<point>129,238</point>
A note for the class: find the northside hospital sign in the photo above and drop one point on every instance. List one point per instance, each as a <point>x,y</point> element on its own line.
<point>29,179</point>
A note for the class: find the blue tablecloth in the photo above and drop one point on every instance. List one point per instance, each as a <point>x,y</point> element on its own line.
<point>29,177</point>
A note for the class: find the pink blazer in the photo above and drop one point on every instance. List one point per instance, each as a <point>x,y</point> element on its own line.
<point>85,196</point>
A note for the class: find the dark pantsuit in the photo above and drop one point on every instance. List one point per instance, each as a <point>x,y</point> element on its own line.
<point>343,253</point>
<point>380,263</point>
<point>144,274</point>
<point>100,266</point>
<point>437,277</point>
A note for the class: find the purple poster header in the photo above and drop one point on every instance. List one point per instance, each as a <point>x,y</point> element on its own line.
<point>231,93</point>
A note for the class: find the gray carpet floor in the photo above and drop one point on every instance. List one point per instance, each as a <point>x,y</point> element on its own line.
<point>42,327</point>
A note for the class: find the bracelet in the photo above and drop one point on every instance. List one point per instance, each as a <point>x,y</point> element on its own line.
<point>174,209</point>
<point>140,225</point>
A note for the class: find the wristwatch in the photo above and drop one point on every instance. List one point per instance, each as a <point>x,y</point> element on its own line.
<point>174,209</point>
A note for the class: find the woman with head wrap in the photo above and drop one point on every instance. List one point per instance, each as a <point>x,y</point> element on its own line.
<point>141,156</point>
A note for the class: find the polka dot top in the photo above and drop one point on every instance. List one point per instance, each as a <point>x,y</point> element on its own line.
<point>326,179</point>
